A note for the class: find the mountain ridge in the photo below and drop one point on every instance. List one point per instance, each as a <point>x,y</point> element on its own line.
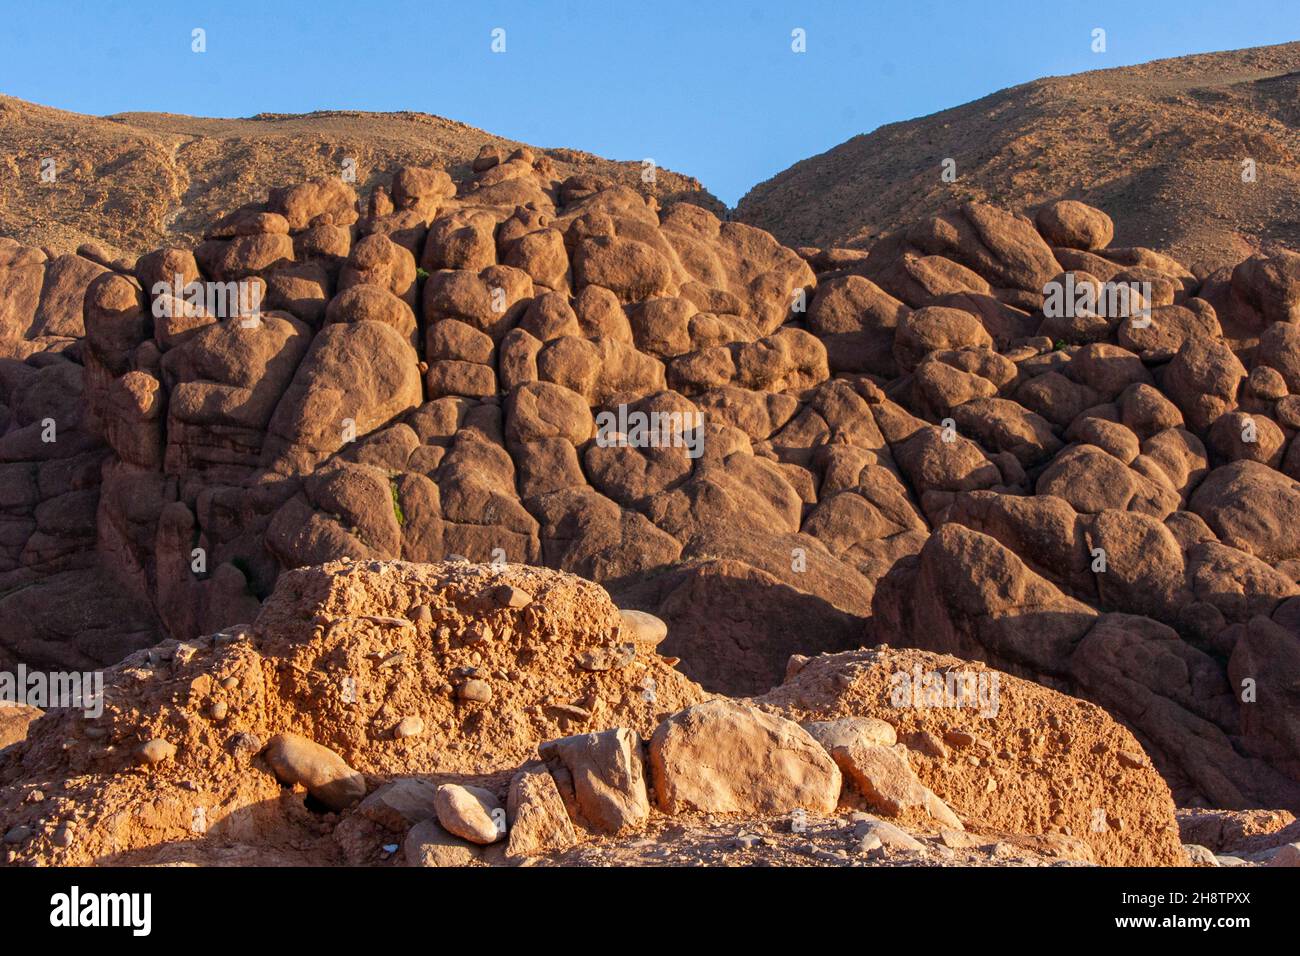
<point>1158,145</point>
<point>134,181</point>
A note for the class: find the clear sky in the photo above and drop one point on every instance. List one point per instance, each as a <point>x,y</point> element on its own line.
<point>712,89</point>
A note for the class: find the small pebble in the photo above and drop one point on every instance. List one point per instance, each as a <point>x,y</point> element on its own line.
<point>1131,760</point>
<point>245,743</point>
<point>477,632</point>
<point>219,710</point>
<point>476,690</point>
<point>508,596</point>
<point>408,727</point>
<point>958,738</point>
<point>471,813</point>
<point>1199,855</point>
<point>570,710</point>
<point>869,843</point>
<point>156,751</point>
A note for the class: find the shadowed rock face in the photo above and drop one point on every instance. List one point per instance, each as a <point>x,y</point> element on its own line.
<point>775,453</point>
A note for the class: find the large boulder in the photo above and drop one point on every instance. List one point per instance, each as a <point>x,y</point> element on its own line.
<point>355,377</point>
<point>968,595</point>
<point>725,757</point>
<point>1075,225</point>
<point>1202,380</point>
<point>602,775</point>
<point>1003,247</point>
<point>1251,507</point>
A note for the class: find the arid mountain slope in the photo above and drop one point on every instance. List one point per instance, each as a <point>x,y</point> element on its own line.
<point>136,181</point>
<point>1158,146</point>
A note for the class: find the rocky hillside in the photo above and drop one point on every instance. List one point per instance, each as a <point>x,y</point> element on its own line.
<point>913,447</point>
<point>1159,146</point>
<point>133,182</point>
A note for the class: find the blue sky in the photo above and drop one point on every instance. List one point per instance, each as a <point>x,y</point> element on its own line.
<point>707,88</point>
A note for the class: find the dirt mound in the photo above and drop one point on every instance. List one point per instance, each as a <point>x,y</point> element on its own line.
<point>1160,146</point>
<point>388,712</point>
<point>1009,756</point>
<point>398,669</point>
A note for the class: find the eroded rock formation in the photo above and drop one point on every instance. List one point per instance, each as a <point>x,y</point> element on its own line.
<point>913,447</point>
